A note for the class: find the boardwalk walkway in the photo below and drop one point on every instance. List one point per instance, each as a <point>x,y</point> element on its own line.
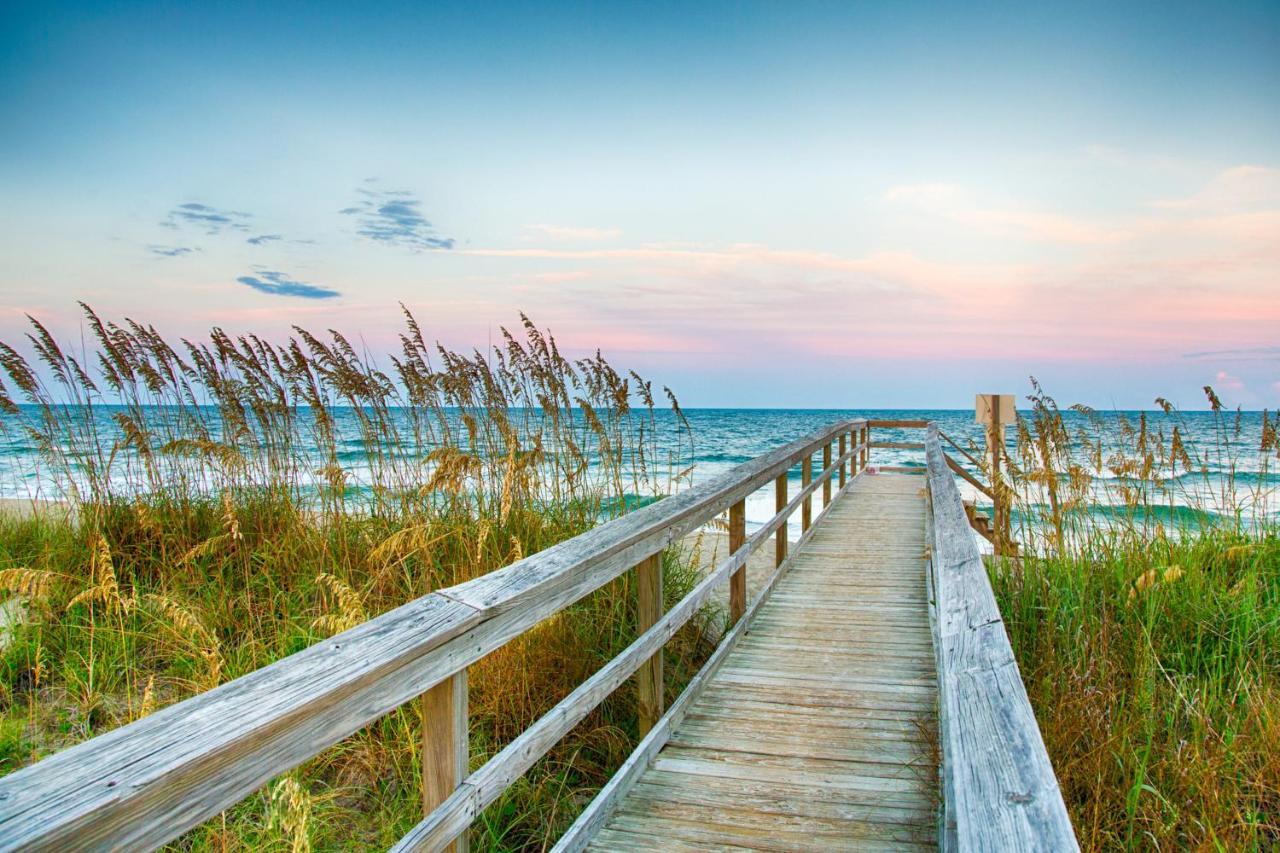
<point>819,730</point>
<point>823,719</point>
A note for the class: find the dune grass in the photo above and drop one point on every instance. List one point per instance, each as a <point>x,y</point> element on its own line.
<point>232,502</point>
<point>1149,640</point>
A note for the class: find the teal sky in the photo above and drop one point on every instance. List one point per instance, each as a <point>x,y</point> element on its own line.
<point>760,205</point>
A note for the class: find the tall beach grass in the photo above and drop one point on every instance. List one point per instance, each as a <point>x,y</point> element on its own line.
<point>1148,634</point>
<point>231,501</point>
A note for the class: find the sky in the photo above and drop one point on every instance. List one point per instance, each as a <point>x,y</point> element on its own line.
<point>764,205</point>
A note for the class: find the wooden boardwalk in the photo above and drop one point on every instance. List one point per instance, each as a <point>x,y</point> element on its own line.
<point>819,730</point>
<point>824,719</point>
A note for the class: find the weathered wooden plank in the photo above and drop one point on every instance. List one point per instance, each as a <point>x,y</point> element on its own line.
<point>829,772</point>
<point>771,831</point>
<point>826,463</point>
<point>806,475</point>
<point>1001,788</point>
<point>897,445</point>
<point>649,602</point>
<point>780,503</point>
<point>761,800</point>
<point>445,745</point>
<point>738,580</point>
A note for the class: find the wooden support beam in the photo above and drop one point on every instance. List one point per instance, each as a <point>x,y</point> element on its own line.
<point>826,463</point>
<point>649,608</point>
<point>806,477</point>
<point>738,580</point>
<point>866,449</point>
<point>844,447</point>
<point>445,745</point>
<point>780,503</point>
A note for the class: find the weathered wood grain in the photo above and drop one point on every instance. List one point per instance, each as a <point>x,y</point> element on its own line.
<point>738,580</point>
<point>650,693</point>
<point>826,463</point>
<point>898,424</point>
<point>1001,791</point>
<point>780,503</point>
<point>445,745</point>
<point>896,445</point>
<point>806,476</point>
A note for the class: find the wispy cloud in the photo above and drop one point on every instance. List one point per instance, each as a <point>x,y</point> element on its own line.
<point>954,203</point>
<point>263,238</point>
<point>171,251</point>
<point>278,284</point>
<point>1237,190</point>
<point>569,232</point>
<point>394,217</point>
<point>1244,353</point>
<point>211,220</point>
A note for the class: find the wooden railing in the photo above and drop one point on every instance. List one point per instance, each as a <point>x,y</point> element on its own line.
<point>999,788</point>
<point>148,782</point>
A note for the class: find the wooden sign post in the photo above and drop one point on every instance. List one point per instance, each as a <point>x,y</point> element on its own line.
<point>994,411</point>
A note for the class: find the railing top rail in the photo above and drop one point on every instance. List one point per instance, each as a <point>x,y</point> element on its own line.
<point>147,782</point>
<point>897,424</point>
<point>1000,791</point>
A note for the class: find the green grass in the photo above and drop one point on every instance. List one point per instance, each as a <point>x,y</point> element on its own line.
<point>1150,651</point>
<point>207,541</point>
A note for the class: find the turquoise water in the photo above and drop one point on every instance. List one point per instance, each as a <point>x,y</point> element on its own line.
<point>719,439</point>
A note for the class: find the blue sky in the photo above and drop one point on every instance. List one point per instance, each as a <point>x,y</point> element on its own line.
<point>774,204</point>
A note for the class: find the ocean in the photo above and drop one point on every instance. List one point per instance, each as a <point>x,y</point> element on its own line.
<point>1225,447</point>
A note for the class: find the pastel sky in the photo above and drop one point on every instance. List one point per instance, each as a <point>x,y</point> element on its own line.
<point>782,204</point>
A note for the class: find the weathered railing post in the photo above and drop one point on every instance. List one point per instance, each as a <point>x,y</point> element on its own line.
<point>650,691</point>
<point>993,412</point>
<point>826,484</point>
<point>844,448</point>
<point>737,580</point>
<point>806,477</point>
<point>445,745</point>
<point>780,503</point>
<point>866,446</point>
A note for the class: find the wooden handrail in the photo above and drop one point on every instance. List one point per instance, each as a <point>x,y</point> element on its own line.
<point>898,424</point>
<point>598,811</point>
<point>999,788</point>
<point>146,783</point>
<point>969,478</point>
<point>896,445</point>
<point>967,455</point>
<point>485,785</point>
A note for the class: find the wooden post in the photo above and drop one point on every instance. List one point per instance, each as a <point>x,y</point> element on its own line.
<point>844,448</point>
<point>995,441</point>
<point>649,609</point>
<point>445,745</point>
<point>737,580</point>
<point>994,411</point>
<point>866,451</point>
<point>826,484</point>
<point>780,503</point>
<point>806,477</point>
